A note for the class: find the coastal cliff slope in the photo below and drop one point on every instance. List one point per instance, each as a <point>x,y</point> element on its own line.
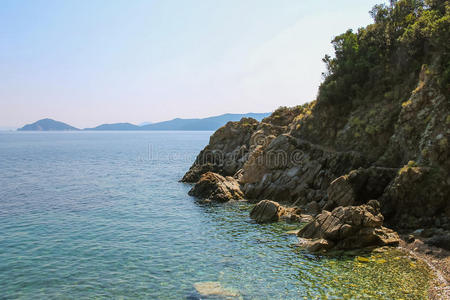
<point>379,128</point>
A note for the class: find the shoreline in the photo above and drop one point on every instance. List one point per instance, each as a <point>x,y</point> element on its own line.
<point>438,260</point>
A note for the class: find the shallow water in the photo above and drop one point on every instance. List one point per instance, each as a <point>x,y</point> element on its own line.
<point>102,214</point>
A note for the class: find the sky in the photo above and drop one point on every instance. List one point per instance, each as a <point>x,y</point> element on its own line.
<point>106,61</point>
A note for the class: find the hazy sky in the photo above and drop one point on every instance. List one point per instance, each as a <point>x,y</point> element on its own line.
<point>92,62</point>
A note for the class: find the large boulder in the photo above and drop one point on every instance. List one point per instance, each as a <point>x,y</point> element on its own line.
<point>215,187</point>
<point>267,211</point>
<point>347,228</point>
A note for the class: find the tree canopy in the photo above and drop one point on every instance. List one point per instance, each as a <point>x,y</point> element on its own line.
<point>384,58</point>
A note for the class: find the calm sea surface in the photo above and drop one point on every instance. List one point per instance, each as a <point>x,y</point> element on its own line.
<point>102,215</point>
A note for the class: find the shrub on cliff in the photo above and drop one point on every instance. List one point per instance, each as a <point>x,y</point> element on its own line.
<point>384,58</point>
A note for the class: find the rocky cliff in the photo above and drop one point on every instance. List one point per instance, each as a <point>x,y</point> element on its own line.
<point>406,167</point>
<point>388,141</point>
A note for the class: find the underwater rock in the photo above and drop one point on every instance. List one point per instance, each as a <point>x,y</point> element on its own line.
<point>214,288</point>
<point>318,245</point>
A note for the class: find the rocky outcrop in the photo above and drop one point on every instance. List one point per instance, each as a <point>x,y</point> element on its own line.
<point>215,187</point>
<point>390,145</point>
<point>359,186</point>
<point>295,160</point>
<point>418,197</point>
<point>226,152</point>
<point>197,170</point>
<point>295,171</point>
<point>340,192</point>
<point>347,228</point>
<point>267,211</point>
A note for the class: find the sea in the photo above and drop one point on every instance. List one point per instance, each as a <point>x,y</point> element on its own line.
<point>103,215</point>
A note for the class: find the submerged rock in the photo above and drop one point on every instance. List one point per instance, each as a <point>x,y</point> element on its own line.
<point>349,227</point>
<point>215,289</point>
<point>319,245</point>
<point>267,211</point>
<point>215,187</point>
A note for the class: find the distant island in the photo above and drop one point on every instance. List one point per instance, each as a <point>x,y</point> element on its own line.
<point>47,125</point>
<point>204,124</point>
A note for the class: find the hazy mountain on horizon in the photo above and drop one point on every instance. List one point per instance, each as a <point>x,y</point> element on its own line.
<point>144,123</point>
<point>210,123</point>
<point>115,126</point>
<point>198,124</point>
<point>48,125</point>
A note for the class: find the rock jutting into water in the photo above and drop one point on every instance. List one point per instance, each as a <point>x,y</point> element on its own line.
<point>267,211</point>
<point>370,134</point>
<point>291,157</point>
<point>346,228</point>
<point>215,187</point>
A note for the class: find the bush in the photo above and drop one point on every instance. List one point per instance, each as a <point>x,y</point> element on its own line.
<point>389,53</point>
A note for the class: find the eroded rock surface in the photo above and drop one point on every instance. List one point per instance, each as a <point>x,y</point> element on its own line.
<point>321,156</point>
<point>226,152</point>
<point>215,187</point>
<point>347,228</point>
<point>267,211</point>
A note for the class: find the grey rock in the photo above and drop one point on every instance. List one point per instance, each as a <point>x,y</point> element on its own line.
<point>350,227</point>
<point>267,211</point>
<point>215,187</point>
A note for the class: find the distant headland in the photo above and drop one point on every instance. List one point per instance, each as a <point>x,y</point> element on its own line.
<point>204,124</point>
<point>47,125</point>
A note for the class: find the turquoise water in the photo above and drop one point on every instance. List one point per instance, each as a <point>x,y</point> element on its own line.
<point>102,215</point>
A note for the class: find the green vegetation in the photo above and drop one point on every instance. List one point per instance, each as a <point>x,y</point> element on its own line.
<point>384,59</point>
<point>283,115</point>
<point>405,168</point>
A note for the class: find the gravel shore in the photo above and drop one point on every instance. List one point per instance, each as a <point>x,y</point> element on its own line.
<point>437,259</point>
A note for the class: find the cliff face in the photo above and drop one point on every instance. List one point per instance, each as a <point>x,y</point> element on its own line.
<point>296,155</point>
<point>387,140</point>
